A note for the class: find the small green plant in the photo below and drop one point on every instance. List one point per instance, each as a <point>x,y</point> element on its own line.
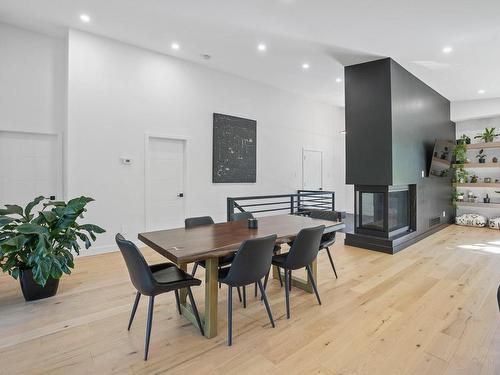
<point>43,241</point>
<point>488,135</point>
<point>461,175</point>
<point>481,156</point>
<point>473,179</point>
<point>460,152</point>
<point>463,140</point>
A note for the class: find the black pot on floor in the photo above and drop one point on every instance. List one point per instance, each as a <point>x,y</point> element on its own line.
<point>32,291</point>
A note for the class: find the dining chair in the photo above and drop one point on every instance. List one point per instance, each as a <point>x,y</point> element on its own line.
<point>250,264</point>
<point>193,222</point>
<point>327,239</point>
<point>240,216</point>
<point>303,252</point>
<point>154,280</point>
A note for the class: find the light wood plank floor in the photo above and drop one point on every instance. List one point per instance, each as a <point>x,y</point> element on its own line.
<point>431,309</point>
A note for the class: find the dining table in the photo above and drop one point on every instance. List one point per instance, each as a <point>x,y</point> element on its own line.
<point>209,242</point>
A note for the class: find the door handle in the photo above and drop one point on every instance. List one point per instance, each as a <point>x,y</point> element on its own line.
<point>180,195</point>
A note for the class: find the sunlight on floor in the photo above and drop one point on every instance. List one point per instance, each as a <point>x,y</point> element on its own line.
<point>487,248</point>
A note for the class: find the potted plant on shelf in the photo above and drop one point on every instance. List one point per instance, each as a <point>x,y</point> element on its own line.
<point>463,140</point>
<point>37,247</point>
<point>460,153</point>
<point>461,175</point>
<point>481,156</point>
<point>488,135</point>
<point>473,179</point>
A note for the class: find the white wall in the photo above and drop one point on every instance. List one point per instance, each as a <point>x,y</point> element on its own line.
<point>474,109</point>
<point>117,93</point>
<point>32,81</point>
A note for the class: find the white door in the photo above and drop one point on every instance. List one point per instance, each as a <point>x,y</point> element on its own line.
<point>165,183</point>
<point>29,167</point>
<point>312,170</point>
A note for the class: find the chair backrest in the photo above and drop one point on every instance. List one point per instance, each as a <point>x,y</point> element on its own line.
<point>241,216</point>
<point>252,261</point>
<point>138,269</point>
<point>305,248</point>
<point>326,215</point>
<point>192,222</point>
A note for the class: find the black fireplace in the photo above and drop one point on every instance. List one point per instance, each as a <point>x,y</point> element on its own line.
<point>384,211</point>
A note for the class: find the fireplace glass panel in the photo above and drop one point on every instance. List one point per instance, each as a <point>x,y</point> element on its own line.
<point>372,210</point>
<point>398,210</point>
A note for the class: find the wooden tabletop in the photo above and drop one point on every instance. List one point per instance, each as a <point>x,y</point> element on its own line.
<point>209,241</point>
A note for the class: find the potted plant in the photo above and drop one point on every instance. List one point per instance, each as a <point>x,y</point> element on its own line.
<point>37,247</point>
<point>473,179</point>
<point>460,153</point>
<point>461,175</point>
<point>463,140</point>
<point>488,135</point>
<point>481,156</point>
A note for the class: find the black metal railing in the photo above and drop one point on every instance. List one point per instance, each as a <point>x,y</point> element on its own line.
<point>300,203</point>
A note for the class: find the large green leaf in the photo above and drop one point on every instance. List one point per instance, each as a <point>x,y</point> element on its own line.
<point>92,228</point>
<point>28,228</point>
<point>4,220</point>
<point>35,202</point>
<point>11,209</point>
<point>49,216</point>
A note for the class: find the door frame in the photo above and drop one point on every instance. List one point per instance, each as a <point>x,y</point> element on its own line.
<point>60,188</point>
<point>147,172</point>
<point>304,150</point>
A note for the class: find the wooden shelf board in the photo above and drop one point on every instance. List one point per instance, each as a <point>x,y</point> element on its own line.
<point>477,146</point>
<point>478,165</point>
<point>478,204</point>
<point>495,185</point>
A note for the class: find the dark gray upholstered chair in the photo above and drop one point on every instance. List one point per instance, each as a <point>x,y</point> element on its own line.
<point>153,280</point>
<point>239,216</point>
<point>303,252</point>
<point>193,222</point>
<point>328,239</point>
<point>250,264</point>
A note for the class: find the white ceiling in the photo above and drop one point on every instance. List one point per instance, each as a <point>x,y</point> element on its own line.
<point>325,33</point>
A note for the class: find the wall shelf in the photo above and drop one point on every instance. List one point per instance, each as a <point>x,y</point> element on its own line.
<point>478,204</point>
<point>478,165</point>
<point>495,185</point>
<point>478,146</point>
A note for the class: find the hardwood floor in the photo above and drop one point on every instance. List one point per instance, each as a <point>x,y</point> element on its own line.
<point>430,309</point>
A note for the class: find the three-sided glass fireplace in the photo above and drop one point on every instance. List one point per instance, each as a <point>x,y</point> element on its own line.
<point>384,211</point>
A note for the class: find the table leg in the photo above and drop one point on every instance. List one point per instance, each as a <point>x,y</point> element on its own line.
<point>211,299</point>
<point>183,292</point>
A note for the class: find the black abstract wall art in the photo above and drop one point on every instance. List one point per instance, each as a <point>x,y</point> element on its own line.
<point>234,149</point>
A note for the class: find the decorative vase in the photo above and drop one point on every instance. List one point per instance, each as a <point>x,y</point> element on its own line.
<point>495,159</point>
<point>32,291</point>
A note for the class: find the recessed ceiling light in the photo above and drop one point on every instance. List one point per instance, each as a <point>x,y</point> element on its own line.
<point>481,91</point>
<point>338,80</point>
<point>175,46</point>
<point>447,49</point>
<point>85,18</point>
<point>261,47</point>
<point>305,66</point>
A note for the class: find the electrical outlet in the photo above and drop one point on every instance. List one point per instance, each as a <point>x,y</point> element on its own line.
<point>444,213</point>
<point>423,174</point>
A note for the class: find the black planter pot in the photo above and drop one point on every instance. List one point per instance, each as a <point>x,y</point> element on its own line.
<point>482,161</point>
<point>32,291</point>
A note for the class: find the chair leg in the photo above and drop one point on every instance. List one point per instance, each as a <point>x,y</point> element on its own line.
<point>268,309</point>
<point>266,279</point>
<point>279,277</point>
<point>134,309</point>
<point>177,301</point>
<point>244,296</point>
<point>255,290</point>
<point>195,267</point>
<point>309,272</point>
<point>239,294</point>
<point>195,310</point>
<point>331,262</point>
<point>220,285</point>
<point>229,315</point>
<point>290,282</point>
<point>287,295</point>
<point>148,326</point>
